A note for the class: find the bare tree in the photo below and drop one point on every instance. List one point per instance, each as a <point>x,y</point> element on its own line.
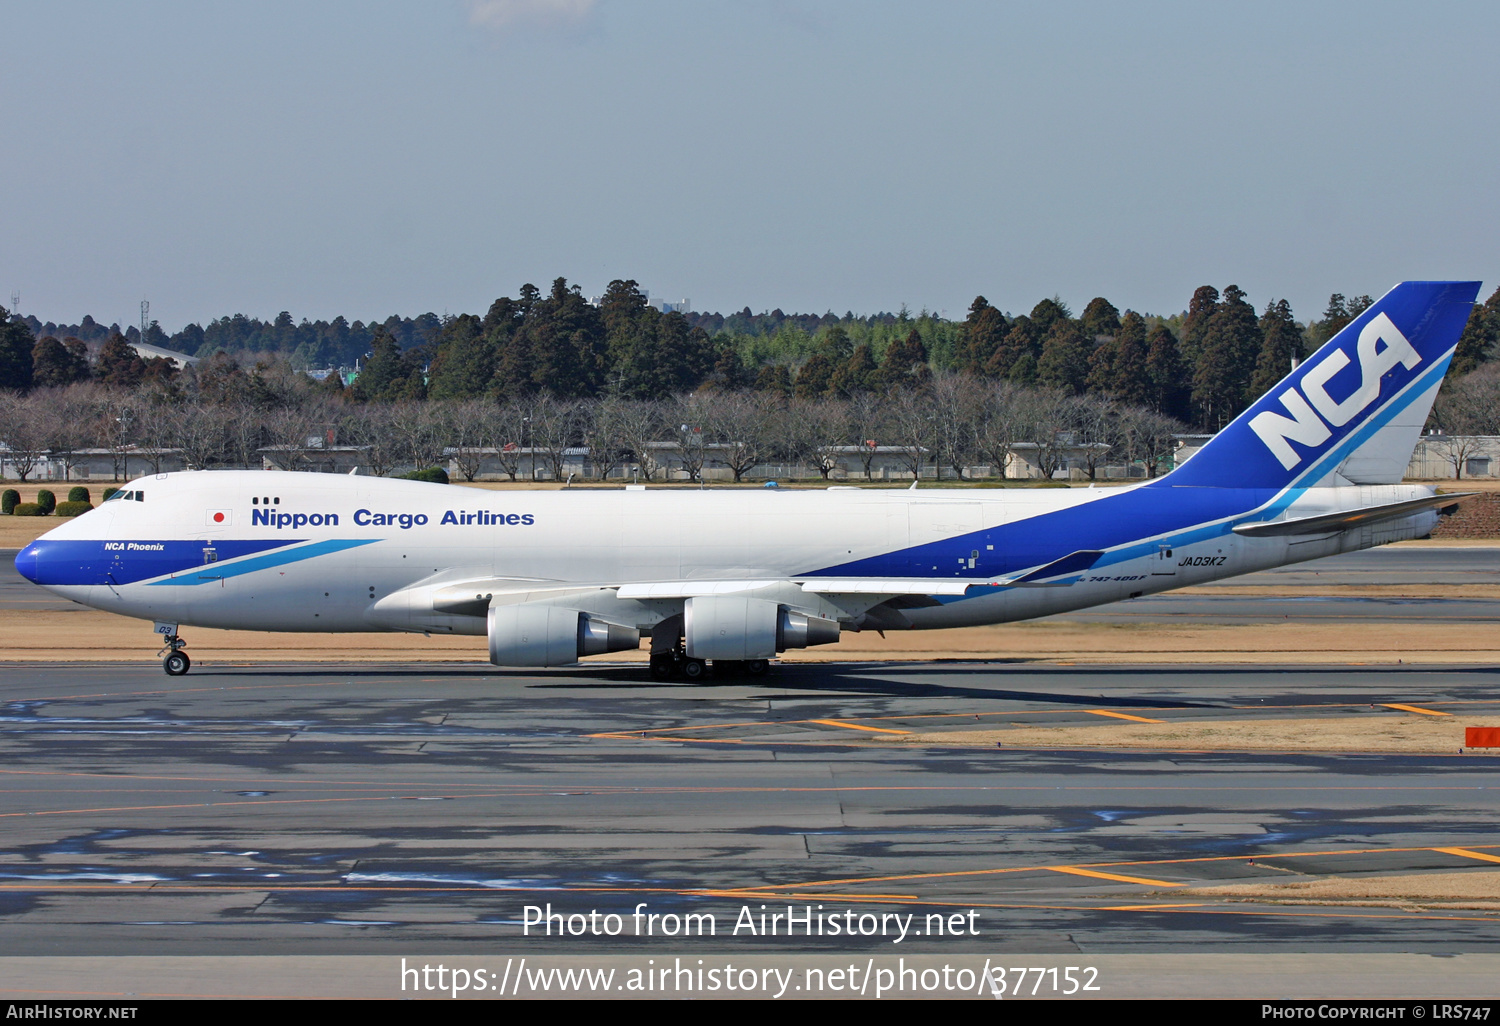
<point>1148,436</point>
<point>957,402</point>
<point>740,422</point>
<point>823,429</point>
<point>23,431</point>
<point>200,431</point>
<point>1465,408</point>
<point>1095,430</point>
<point>869,422</point>
<point>1046,422</point>
<point>556,427</point>
<point>602,434</point>
<point>246,432</point>
<point>914,429</point>
<point>999,425</point>
<point>417,429</point>
<point>116,420</point>
<point>69,415</point>
<point>691,430</point>
<point>505,427</point>
<point>368,425</point>
<point>154,424</point>
<point>468,422</point>
<point>640,426</point>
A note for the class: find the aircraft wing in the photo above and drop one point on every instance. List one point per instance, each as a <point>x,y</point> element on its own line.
<point>1341,521</point>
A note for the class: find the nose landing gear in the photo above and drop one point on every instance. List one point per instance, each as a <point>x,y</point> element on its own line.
<point>176,662</point>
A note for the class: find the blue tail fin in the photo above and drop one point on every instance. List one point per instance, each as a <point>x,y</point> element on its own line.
<point>1352,411</point>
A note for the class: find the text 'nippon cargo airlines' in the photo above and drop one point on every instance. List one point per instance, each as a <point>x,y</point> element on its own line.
<point>734,577</point>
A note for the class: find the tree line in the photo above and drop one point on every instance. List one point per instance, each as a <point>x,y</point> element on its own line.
<point>950,427</point>
<point>1200,367</point>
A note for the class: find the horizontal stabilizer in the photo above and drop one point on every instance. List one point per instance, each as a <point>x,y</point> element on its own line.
<point>1327,522</point>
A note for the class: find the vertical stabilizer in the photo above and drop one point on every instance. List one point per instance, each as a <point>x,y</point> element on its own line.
<point>1352,412</point>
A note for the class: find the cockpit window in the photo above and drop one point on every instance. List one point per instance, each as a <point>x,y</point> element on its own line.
<point>140,496</point>
<point>117,495</point>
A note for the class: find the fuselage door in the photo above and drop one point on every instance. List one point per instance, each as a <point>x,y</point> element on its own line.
<point>1164,565</point>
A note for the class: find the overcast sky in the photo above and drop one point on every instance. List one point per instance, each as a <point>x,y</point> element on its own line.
<point>369,158</point>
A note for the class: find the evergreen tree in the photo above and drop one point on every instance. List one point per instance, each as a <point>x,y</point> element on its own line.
<point>118,363</point>
<point>1204,304</point>
<point>1103,373</point>
<point>463,363</point>
<point>1230,346</point>
<point>1132,377</point>
<point>1168,373</point>
<point>1282,346</point>
<point>1047,313</point>
<point>383,374</point>
<point>1099,319</point>
<point>1338,315</point>
<point>1024,371</point>
<point>55,363</point>
<point>775,379</point>
<point>660,355</point>
<point>836,345</point>
<point>1023,340</point>
<point>984,332</point>
<point>16,344</point>
<point>858,374</point>
<point>1476,344</point>
<point>1064,363</point>
<point>567,344</point>
<point>814,378</point>
<point>905,364</point>
<point>729,371</point>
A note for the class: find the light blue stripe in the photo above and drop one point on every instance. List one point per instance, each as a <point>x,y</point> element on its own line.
<point>211,572</point>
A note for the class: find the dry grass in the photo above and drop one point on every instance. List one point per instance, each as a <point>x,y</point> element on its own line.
<point>1476,889</point>
<point>1373,731</point>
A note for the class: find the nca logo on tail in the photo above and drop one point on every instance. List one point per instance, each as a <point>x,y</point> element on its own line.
<point>1314,413</point>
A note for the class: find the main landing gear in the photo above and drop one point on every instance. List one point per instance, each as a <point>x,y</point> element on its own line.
<point>676,665</point>
<point>176,662</point>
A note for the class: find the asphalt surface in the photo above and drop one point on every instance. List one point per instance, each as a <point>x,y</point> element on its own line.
<point>358,810</point>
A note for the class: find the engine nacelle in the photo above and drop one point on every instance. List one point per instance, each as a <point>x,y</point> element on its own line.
<point>800,630</point>
<point>733,627</point>
<point>537,635</point>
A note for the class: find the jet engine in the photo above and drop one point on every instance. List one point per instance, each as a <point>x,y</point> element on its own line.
<point>732,627</point>
<point>538,635</point>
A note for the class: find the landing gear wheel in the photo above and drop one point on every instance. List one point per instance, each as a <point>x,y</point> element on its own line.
<point>176,664</point>
<point>694,669</point>
<point>663,667</point>
<point>757,667</point>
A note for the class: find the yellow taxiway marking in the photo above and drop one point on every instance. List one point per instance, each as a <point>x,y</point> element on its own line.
<point>1112,876</point>
<point>1466,853</point>
<point>1414,708</point>
<point>856,726</point>
<point>1147,908</point>
<point>1121,716</point>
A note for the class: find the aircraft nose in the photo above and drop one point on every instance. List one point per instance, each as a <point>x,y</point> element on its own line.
<point>28,563</point>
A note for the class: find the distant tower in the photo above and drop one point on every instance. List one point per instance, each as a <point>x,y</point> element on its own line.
<point>15,301</point>
<point>145,318</point>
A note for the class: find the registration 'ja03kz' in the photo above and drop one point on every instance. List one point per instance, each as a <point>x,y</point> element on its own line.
<point>732,577</point>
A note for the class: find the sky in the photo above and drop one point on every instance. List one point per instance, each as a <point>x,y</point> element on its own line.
<point>369,158</point>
